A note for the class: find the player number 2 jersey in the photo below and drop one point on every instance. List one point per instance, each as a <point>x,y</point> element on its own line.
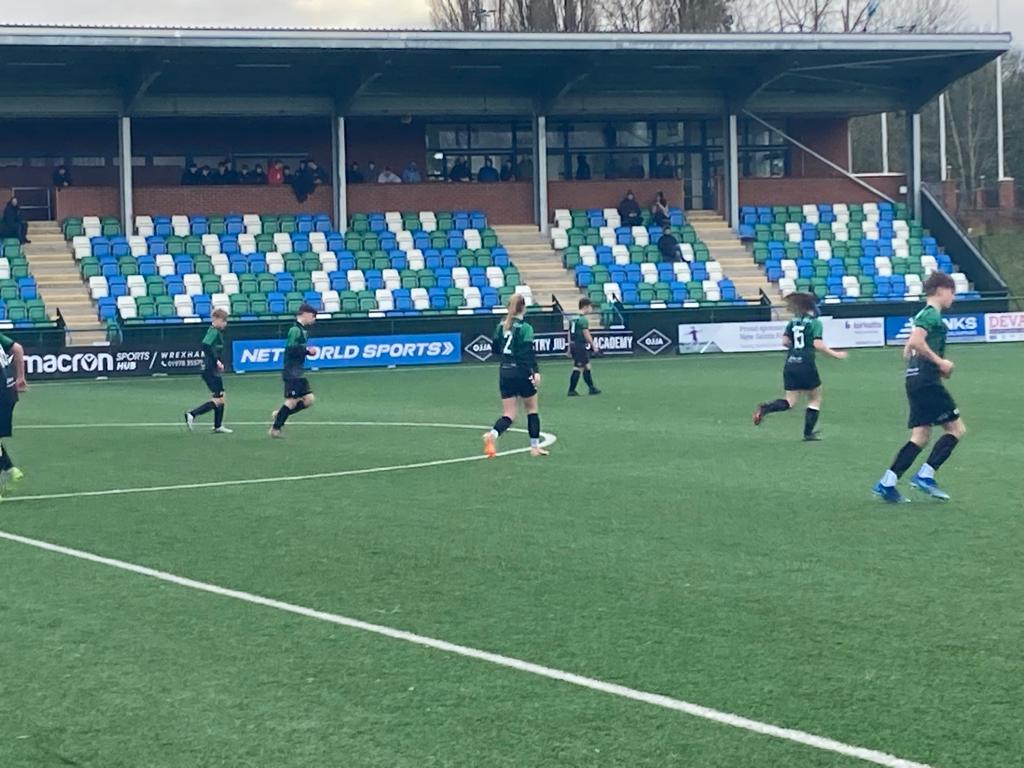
<point>921,372</point>
<point>515,347</point>
<point>802,331</point>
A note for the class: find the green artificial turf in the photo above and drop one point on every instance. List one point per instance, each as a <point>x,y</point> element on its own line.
<point>666,545</point>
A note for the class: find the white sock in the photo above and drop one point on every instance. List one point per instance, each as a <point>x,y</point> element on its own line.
<point>926,471</point>
<point>889,479</point>
<point>535,442</point>
<point>494,434</point>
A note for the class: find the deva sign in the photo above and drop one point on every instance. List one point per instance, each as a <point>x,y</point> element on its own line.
<point>352,352</point>
<point>960,329</point>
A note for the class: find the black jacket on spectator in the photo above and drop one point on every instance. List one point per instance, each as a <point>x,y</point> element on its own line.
<point>629,212</point>
<point>11,225</point>
<point>61,177</point>
<point>460,172</point>
<point>191,176</point>
<point>669,247</point>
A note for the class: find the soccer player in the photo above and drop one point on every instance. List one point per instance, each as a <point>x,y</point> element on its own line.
<point>802,338</point>
<point>581,347</point>
<point>297,394</point>
<point>518,378</point>
<point>12,368</point>
<point>930,403</point>
<point>213,367</point>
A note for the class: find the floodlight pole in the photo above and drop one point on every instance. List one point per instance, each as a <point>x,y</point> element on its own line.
<point>733,169</point>
<point>338,178</point>
<point>124,145</point>
<point>540,172</point>
<point>999,104</point>
<point>885,142</point>
<point>914,162</point>
<point>943,170</point>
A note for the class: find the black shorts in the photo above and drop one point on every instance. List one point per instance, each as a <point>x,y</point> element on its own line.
<point>7,418</point>
<point>580,355</point>
<point>214,382</point>
<point>931,405</point>
<point>516,385</point>
<point>296,388</point>
<point>800,378</point>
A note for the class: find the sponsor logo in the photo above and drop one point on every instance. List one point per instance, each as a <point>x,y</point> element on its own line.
<point>480,348</point>
<point>960,328</point>
<point>80,362</point>
<point>654,341</point>
<point>1004,326</point>
<point>352,352</point>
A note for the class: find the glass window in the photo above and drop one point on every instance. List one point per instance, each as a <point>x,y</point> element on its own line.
<point>11,162</point>
<point>89,162</point>
<point>448,137</point>
<point>491,137</point>
<point>169,160</point>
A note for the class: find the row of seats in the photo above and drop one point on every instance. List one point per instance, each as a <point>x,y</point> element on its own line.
<point>91,226</point>
<point>846,252</point>
<point>20,304</point>
<point>377,267</point>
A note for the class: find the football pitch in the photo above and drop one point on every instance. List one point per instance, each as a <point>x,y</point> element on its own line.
<point>671,587</point>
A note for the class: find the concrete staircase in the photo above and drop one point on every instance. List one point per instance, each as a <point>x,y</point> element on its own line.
<point>52,263</point>
<point>736,259</point>
<point>539,265</point>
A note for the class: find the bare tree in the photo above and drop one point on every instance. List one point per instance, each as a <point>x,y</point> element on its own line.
<point>847,15</point>
<point>459,15</point>
<point>691,16</point>
<point>626,15</point>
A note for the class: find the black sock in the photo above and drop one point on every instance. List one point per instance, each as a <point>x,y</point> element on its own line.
<point>299,406</point>
<point>6,462</point>
<point>574,379</point>
<point>943,447</point>
<point>218,416</point>
<point>502,424</point>
<point>533,425</point>
<point>282,416</point>
<point>776,405</point>
<point>588,377</point>
<point>810,420</point>
<point>199,410</point>
<point>908,453</point>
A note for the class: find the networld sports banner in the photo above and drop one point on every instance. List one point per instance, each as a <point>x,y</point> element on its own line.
<point>1004,326</point>
<point>352,352</point>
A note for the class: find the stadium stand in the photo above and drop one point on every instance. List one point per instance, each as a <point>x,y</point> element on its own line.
<point>615,262</point>
<point>846,252</point>
<point>180,268</point>
<point>20,303</point>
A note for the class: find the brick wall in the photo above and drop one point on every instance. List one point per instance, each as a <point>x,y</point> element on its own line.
<point>387,142</point>
<point>816,190</point>
<point>87,201</point>
<point>828,137</point>
<point>504,203</point>
<point>608,194</point>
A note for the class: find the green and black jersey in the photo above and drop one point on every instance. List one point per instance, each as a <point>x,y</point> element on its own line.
<point>802,332</point>
<point>213,350</point>
<point>8,386</point>
<point>514,347</point>
<point>577,331</point>
<point>295,352</point>
<point>921,372</point>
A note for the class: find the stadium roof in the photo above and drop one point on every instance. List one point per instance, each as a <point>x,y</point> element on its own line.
<point>154,71</point>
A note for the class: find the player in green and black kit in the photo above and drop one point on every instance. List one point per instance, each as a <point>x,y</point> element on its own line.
<point>803,338</point>
<point>12,369</point>
<point>930,403</point>
<point>581,348</point>
<point>213,367</point>
<point>297,394</point>
<point>518,378</point>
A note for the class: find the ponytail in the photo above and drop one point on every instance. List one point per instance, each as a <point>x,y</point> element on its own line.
<point>516,305</point>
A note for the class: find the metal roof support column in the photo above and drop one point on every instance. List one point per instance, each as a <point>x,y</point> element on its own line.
<point>124,146</point>
<point>914,163</point>
<point>732,163</point>
<point>540,172</point>
<point>339,163</point>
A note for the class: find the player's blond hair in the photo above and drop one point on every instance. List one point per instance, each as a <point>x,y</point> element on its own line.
<point>516,307</point>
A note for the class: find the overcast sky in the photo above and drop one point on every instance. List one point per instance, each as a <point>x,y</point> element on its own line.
<point>326,13</point>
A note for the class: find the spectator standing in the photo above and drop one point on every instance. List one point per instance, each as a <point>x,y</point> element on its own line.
<point>583,172</point>
<point>275,176</point>
<point>488,174</point>
<point>11,225</point>
<point>629,211</point>
<point>316,174</point>
<point>231,175</point>
<point>659,211</point>
<point>289,177</point>
<point>190,176</point>
<point>411,174</point>
<point>460,171</point>
<point>259,176</point>
<point>205,177</point>
<point>611,169</point>
<point>353,175</point>
<point>371,170</point>
<point>245,175</point>
<point>636,169</point>
<point>524,171</point>
<point>387,176</point>
<point>507,171</point>
<point>61,177</point>
<point>666,169</point>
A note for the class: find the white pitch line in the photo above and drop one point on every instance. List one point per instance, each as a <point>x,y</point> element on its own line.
<point>654,699</point>
<point>547,439</point>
